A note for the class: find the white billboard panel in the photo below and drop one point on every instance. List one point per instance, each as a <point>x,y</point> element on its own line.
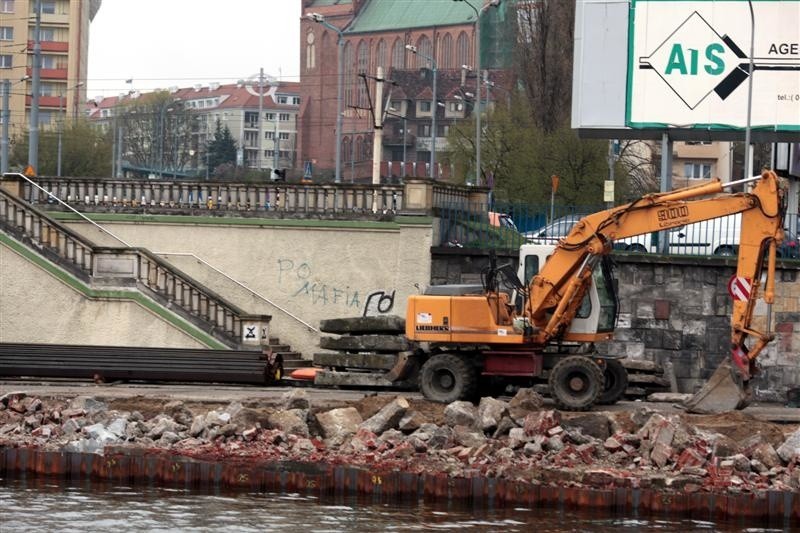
<point>688,64</point>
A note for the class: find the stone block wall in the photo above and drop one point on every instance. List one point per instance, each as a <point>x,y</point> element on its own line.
<point>678,310</point>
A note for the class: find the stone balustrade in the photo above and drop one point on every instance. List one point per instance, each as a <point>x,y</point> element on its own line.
<point>415,195</point>
<point>119,267</point>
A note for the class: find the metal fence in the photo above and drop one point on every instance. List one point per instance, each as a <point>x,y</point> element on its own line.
<point>507,226</point>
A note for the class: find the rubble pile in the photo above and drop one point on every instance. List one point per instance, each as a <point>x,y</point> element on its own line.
<point>520,440</point>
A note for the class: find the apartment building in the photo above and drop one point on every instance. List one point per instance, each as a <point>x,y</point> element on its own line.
<point>696,161</point>
<point>64,38</point>
<point>233,105</point>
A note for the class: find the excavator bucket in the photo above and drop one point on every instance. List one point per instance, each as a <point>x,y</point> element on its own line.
<point>723,392</point>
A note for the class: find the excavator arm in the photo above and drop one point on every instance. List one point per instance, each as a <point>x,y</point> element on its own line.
<point>556,292</point>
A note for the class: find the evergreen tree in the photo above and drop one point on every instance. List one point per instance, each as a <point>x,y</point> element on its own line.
<point>222,149</point>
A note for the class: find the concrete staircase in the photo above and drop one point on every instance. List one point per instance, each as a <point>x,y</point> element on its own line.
<point>129,268</point>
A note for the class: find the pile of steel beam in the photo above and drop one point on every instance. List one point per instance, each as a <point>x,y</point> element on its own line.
<point>112,363</point>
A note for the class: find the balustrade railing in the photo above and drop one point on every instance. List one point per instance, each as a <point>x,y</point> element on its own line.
<point>93,263</point>
<point>301,198</point>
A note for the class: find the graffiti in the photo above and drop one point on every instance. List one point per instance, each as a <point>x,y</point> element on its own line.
<point>298,279</point>
<point>379,303</point>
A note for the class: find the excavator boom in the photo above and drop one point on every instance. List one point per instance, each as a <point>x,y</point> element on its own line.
<point>557,291</point>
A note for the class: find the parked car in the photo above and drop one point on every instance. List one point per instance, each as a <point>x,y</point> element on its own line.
<point>560,228</point>
<point>790,247</point>
<point>501,220</point>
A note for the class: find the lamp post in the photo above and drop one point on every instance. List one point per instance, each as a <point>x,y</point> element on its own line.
<point>434,107</point>
<point>62,112</point>
<point>320,19</point>
<point>478,12</point>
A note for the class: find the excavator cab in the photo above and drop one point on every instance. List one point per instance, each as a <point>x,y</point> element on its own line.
<point>596,317</point>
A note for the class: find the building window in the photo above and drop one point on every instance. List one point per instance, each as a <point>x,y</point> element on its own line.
<point>697,171</point>
<point>269,153</point>
<point>462,50</point>
<point>6,33</point>
<point>284,135</point>
<point>425,106</point>
<point>6,6</point>
<point>5,61</point>
<point>283,100</point>
<point>283,117</point>
<point>47,35</point>
<point>250,119</point>
<point>424,130</point>
<point>269,116</point>
<point>398,55</point>
<point>269,135</point>
<point>295,100</point>
<point>363,65</point>
<point>424,48</point>
<point>446,52</point>
<point>48,7</point>
<point>349,74</point>
<point>380,54</point>
<point>311,51</point>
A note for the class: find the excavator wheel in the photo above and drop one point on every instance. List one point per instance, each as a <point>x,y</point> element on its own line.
<point>446,378</point>
<point>615,382</point>
<point>576,383</point>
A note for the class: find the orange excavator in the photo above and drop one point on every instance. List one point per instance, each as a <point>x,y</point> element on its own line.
<point>545,318</point>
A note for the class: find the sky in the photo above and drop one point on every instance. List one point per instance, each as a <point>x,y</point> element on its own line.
<point>163,43</point>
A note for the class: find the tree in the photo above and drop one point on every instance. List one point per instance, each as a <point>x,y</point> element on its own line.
<point>543,59</point>
<point>85,151</point>
<point>222,149</point>
<point>157,133</point>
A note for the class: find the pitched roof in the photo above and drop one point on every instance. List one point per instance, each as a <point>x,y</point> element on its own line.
<point>384,15</point>
<point>319,3</point>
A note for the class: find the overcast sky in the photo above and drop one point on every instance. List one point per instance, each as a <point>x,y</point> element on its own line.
<point>160,43</point>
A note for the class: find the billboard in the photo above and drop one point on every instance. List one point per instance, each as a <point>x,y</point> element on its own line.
<point>689,61</point>
<point>646,67</point>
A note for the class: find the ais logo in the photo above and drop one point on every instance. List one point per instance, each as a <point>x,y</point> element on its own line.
<point>696,61</point>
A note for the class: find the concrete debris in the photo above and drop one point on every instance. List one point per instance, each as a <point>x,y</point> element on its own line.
<point>490,412</point>
<point>460,414</point>
<point>643,449</point>
<point>295,399</point>
<point>539,423</point>
<point>524,402</point>
<point>339,423</point>
<point>791,447</point>
<point>388,417</point>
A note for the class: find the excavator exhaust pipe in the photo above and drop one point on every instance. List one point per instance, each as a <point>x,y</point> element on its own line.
<point>725,391</point>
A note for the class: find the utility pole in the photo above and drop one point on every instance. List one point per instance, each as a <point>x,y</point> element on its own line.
<point>260,115</point>
<point>377,142</point>
<point>6,119</point>
<point>275,144</point>
<point>60,131</point>
<point>33,138</point>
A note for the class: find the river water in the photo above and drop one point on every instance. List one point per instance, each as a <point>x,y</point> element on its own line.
<point>47,505</point>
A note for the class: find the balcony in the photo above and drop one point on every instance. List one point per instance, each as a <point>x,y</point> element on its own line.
<point>397,139</point>
<point>49,73</point>
<point>55,18</point>
<point>51,46</point>
<point>47,101</point>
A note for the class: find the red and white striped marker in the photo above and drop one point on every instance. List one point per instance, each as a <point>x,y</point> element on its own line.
<point>739,288</point>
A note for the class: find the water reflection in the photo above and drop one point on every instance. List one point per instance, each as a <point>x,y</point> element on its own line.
<point>44,505</point>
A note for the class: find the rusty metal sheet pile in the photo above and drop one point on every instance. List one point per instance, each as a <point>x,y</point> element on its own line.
<point>138,466</point>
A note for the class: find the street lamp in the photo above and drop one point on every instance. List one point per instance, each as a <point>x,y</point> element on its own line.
<point>320,19</point>
<point>492,3</point>
<point>62,112</point>
<point>434,106</point>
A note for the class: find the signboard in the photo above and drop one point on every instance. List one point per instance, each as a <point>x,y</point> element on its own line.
<point>688,64</point>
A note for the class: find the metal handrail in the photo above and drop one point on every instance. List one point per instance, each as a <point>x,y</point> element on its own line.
<point>209,265</point>
<point>240,284</point>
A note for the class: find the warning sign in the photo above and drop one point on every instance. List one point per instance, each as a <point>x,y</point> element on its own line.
<point>739,288</point>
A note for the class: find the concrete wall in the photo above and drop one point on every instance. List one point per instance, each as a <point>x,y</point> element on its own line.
<point>37,307</point>
<point>311,272</point>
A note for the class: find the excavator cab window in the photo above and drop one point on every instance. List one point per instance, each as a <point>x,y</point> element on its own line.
<point>606,294</point>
